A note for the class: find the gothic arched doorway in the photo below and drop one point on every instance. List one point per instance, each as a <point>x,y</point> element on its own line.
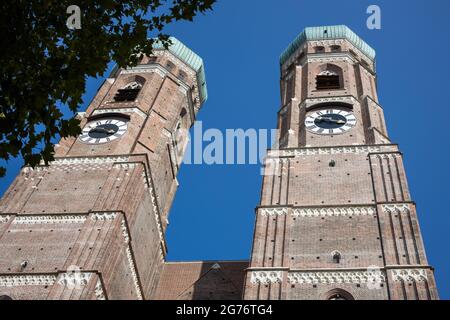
<point>338,294</point>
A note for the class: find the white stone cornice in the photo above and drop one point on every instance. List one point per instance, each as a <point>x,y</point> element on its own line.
<point>49,219</point>
<point>120,110</point>
<point>103,216</point>
<point>149,68</point>
<point>396,208</point>
<point>322,151</point>
<point>74,279</point>
<point>27,280</point>
<point>334,211</point>
<point>333,277</point>
<point>155,206</point>
<point>4,218</point>
<point>266,277</point>
<point>134,272</point>
<point>387,155</point>
<point>409,275</point>
<point>99,291</point>
<point>92,162</point>
<point>279,211</point>
<point>331,58</point>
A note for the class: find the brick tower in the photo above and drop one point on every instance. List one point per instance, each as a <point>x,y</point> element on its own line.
<point>336,220</point>
<point>92,224</point>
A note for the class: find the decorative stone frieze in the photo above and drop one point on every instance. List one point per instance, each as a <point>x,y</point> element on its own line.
<point>49,219</point>
<point>279,211</point>
<point>409,275</point>
<point>99,291</point>
<point>396,208</point>
<point>78,163</point>
<point>74,280</point>
<point>333,277</point>
<point>133,272</point>
<point>27,280</point>
<point>4,218</point>
<point>103,216</point>
<point>266,277</point>
<point>324,151</point>
<point>334,211</point>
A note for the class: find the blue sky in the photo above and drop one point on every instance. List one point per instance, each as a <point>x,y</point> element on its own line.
<point>240,41</point>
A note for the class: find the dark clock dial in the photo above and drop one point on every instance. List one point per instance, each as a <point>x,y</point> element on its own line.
<point>330,121</point>
<point>103,130</point>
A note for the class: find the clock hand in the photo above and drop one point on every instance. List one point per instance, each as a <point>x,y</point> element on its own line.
<point>103,130</point>
<point>331,120</point>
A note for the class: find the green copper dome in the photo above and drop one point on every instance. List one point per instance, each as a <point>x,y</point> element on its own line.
<point>192,59</point>
<point>327,33</point>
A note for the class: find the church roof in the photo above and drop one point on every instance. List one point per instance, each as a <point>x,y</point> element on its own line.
<point>192,59</point>
<point>326,33</point>
<point>202,280</point>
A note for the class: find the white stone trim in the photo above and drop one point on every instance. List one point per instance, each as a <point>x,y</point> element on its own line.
<point>120,110</point>
<point>396,208</point>
<point>150,68</point>
<point>27,280</point>
<point>322,151</point>
<point>103,216</point>
<point>331,58</point>
<point>132,265</point>
<point>279,211</point>
<point>74,280</point>
<point>153,198</point>
<point>409,275</point>
<point>334,211</point>
<point>134,273</point>
<point>387,156</point>
<point>99,291</point>
<point>49,219</point>
<point>4,219</point>
<point>332,277</point>
<point>266,277</point>
<point>78,161</point>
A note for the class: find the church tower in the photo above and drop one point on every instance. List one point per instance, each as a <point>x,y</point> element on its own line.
<point>336,219</point>
<point>92,224</point>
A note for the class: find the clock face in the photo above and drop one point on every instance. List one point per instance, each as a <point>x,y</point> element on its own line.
<point>330,121</point>
<point>103,130</point>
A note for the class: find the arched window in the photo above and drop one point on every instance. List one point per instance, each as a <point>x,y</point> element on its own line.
<point>338,294</point>
<point>152,60</point>
<point>129,92</point>
<point>335,48</point>
<point>329,77</point>
<point>5,297</point>
<point>182,75</point>
<point>336,256</point>
<point>319,49</point>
